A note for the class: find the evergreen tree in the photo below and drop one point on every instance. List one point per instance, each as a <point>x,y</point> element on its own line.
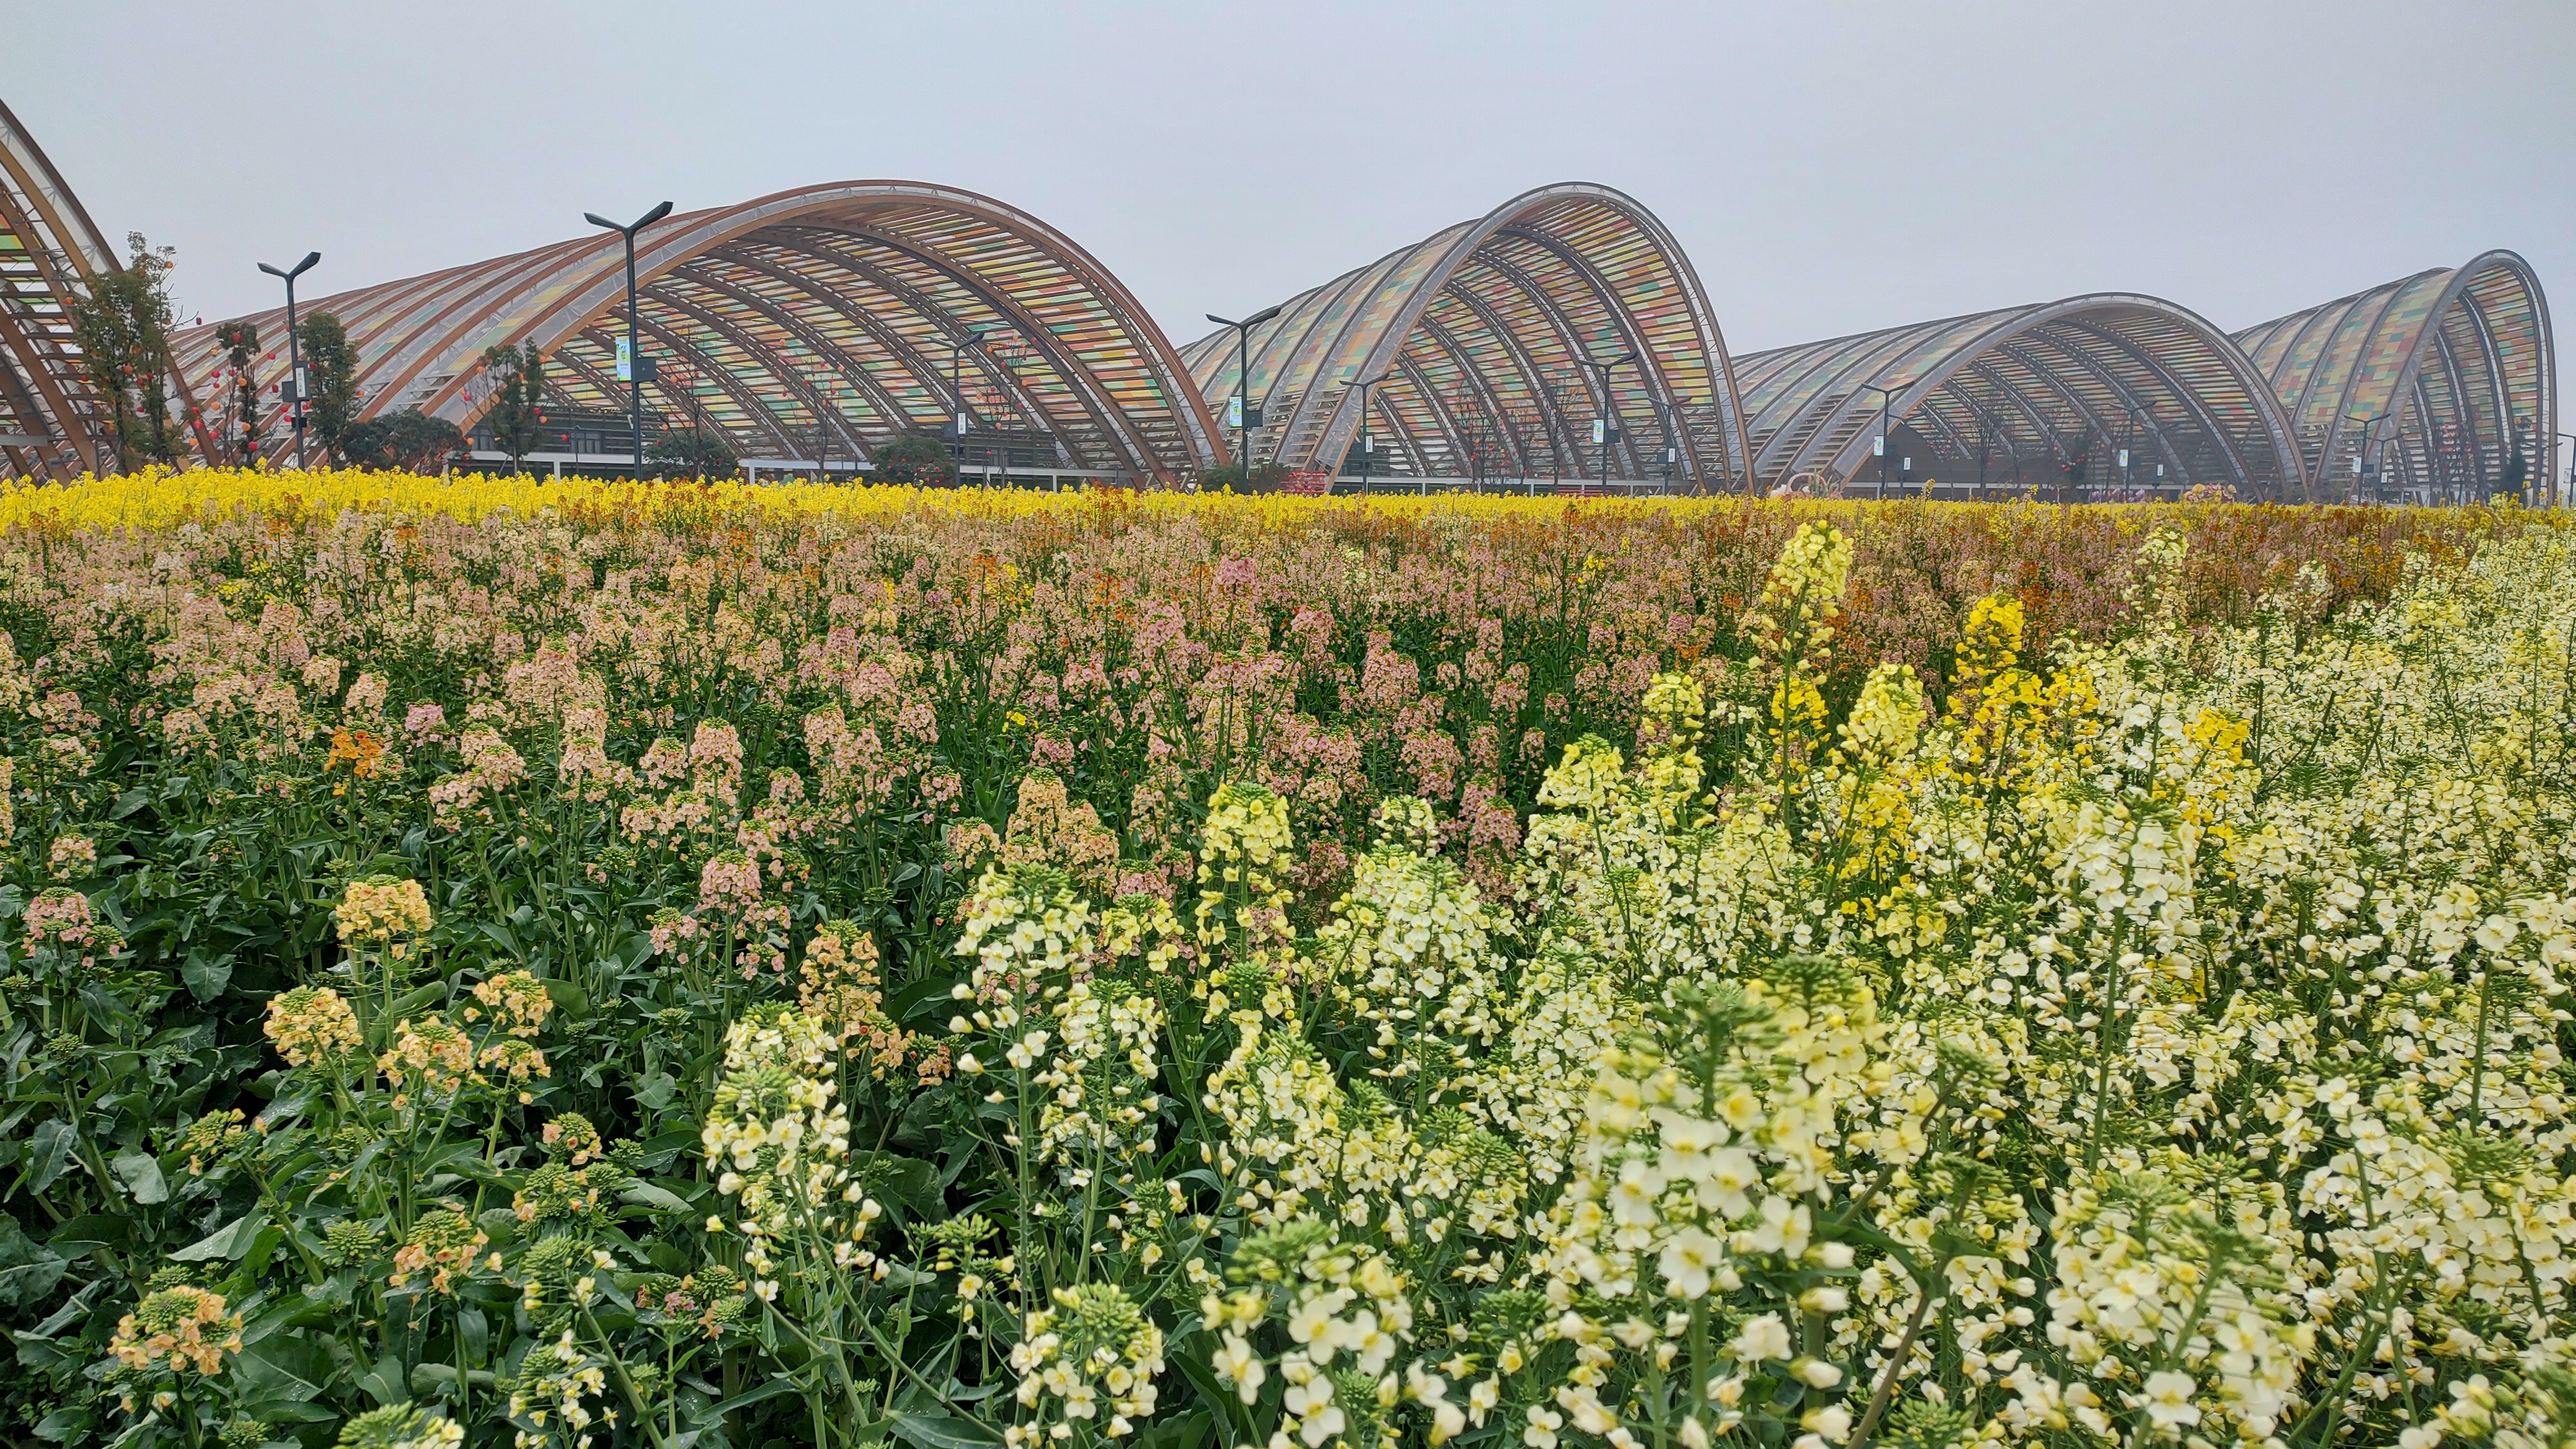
<point>409,441</point>
<point>331,370</point>
<point>912,458</point>
<point>691,453</point>
<point>123,327</point>
<point>518,381</point>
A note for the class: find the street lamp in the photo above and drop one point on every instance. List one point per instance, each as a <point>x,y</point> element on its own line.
<point>636,373</point>
<point>1367,446</point>
<point>2562,489</point>
<point>1886,395</point>
<point>2362,453</point>
<point>1246,416</point>
<point>1672,409</point>
<point>294,358</point>
<point>958,426</point>
<point>1601,424</point>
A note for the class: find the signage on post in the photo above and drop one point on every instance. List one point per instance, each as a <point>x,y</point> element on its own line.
<point>2124,457</point>
<point>1878,446</point>
<point>1600,432</point>
<point>1234,411</point>
<point>625,359</point>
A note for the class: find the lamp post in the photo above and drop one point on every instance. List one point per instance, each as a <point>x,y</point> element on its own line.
<point>959,424</point>
<point>2361,454</point>
<point>294,357</point>
<point>1556,430</point>
<point>1672,410</point>
<point>1602,423</point>
<point>1886,395</point>
<point>2560,488</point>
<point>1246,416</point>
<point>1367,446</point>
<point>636,372</point>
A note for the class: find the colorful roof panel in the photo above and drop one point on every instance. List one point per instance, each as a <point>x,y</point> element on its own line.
<point>2432,385</point>
<point>812,323</point>
<point>49,413</point>
<point>1483,346</point>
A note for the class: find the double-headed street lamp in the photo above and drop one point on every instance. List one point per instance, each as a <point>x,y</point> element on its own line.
<point>2361,454</point>
<point>1367,445</point>
<point>294,358</point>
<point>1672,410</point>
<point>1886,395</point>
<point>958,426</point>
<point>1246,416</point>
<point>637,373</point>
<point>1601,424</point>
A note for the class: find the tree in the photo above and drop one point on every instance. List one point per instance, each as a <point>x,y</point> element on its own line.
<point>2077,457</point>
<point>517,376</point>
<point>408,441</point>
<point>241,350</point>
<point>1266,478</point>
<point>914,459</point>
<point>123,328</point>
<point>690,453</point>
<point>331,370</point>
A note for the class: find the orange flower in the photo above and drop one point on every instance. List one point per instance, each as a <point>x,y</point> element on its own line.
<point>359,749</point>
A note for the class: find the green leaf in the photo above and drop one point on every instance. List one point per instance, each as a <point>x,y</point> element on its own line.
<point>282,1370</point>
<point>415,1000</point>
<point>769,1390</point>
<point>86,1234</point>
<point>645,1194</point>
<point>206,979</point>
<point>1216,1395</point>
<point>570,999</point>
<point>659,1151</point>
<point>48,1152</point>
<point>383,1383</point>
<point>943,1431</point>
<point>908,1180</point>
<point>441,1378</point>
<point>28,1270</point>
<point>232,1240</point>
<point>1189,1431</point>
<point>657,1091</point>
<point>140,1171</point>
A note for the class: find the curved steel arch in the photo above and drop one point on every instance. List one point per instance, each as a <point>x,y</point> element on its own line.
<point>2087,363</point>
<point>856,288</point>
<point>51,420</point>
<point>1517,298</point>
<point>2460,360</point>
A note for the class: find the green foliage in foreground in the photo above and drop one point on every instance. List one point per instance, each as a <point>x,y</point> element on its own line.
<point>694,1043</point>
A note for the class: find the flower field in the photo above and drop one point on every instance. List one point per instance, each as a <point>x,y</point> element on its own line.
<point>498,962</point>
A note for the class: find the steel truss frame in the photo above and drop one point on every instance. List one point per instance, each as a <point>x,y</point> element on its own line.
<point>859,284</point>
<point>2455,354</point>
<point>1508,304</point>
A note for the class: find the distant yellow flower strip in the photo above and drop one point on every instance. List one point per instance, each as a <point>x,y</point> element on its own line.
<point>159,499</point>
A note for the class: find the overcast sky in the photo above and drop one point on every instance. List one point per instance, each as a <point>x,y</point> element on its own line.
<point>1829,167</point>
